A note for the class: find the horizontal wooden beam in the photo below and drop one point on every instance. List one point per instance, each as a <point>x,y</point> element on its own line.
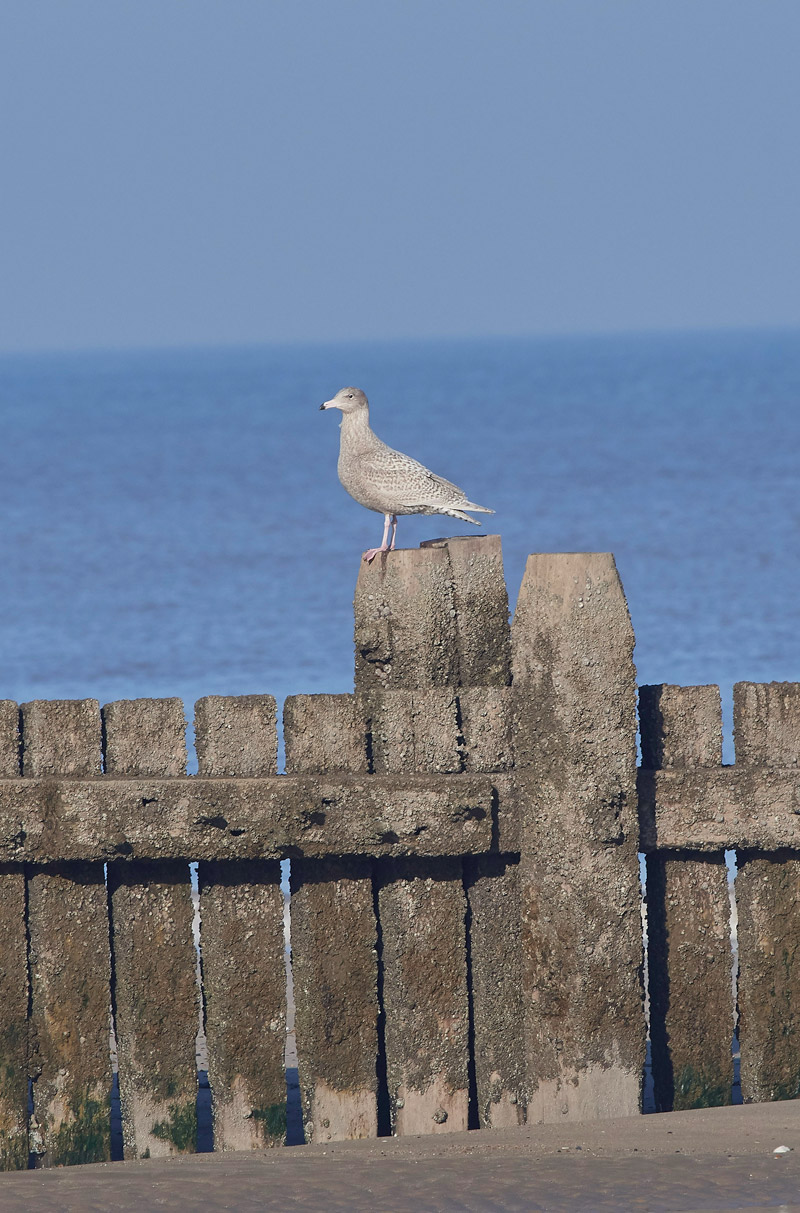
<point>104,818</point>
<point>719,808</point>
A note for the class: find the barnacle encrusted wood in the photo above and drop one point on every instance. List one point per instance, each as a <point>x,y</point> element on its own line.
<point>572,645</point>
<point>766,723</point>
<point>14,1150</point>
<point>242,947</point>
<point>69,958</point>
<point>156,996</point>
<point>334,940</point>
<point>107,819</point>
<point>688,917</point>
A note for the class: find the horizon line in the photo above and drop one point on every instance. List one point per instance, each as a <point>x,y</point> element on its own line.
<point>209,346</point>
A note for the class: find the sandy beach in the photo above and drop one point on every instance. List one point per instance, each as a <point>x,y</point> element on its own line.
<point>715,1160</point>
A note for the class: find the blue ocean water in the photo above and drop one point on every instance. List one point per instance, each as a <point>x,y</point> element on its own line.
<point>172,523</point>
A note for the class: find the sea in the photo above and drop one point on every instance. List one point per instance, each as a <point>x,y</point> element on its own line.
<point>171,522</point>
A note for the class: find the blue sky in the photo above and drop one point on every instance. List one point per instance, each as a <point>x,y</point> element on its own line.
<point>226,171</point>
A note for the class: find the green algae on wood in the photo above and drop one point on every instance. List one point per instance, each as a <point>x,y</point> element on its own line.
<point>180,1130</point>
<point>84,1135</point>
<point>272,1120</point>
<point>698,1088</point>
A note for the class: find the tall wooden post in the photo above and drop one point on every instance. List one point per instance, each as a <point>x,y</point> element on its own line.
<point>575,739</point>
<point>432,670</point>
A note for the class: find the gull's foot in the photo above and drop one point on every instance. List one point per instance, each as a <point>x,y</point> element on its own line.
<point>371,553</point>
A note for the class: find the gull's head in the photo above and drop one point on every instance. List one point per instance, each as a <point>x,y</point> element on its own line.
<point>348,399</point>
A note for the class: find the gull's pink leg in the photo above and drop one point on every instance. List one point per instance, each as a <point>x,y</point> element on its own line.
<point>394,532</point>
<point>370,555</point>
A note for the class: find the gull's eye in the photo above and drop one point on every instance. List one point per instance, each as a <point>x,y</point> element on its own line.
<point>349,395</point>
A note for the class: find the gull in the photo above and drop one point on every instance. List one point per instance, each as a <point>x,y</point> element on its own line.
<point>388,481</point>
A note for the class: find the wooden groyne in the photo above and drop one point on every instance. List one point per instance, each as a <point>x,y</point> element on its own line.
<point>466,929</point>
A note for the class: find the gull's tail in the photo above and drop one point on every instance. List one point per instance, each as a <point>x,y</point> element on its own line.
<point>468,505</point>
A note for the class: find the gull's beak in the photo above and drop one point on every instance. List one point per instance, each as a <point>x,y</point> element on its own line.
<point>329,404</point>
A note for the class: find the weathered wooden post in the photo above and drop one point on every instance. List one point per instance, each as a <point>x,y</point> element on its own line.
<point>69,958</point>
<point>766,731</point>
<point>334,935</point>
<point>574,686</point>
<point>241,934</point>
<point>688,915</point>
<point>156,999</point>
<point>428,623</point>
<point>13,977</point>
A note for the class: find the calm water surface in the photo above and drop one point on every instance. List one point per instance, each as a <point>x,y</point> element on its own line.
<point>173,523</point>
